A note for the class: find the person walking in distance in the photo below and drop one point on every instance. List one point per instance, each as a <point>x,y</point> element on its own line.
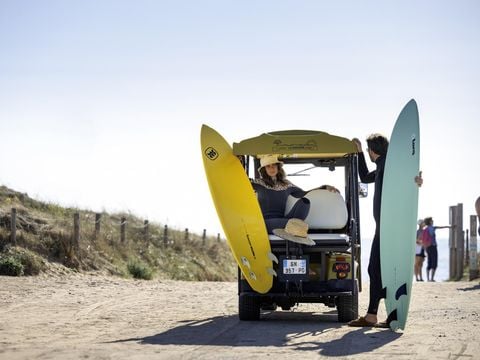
<point>419,252</point>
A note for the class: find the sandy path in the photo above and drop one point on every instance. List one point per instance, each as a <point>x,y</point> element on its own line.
<point>96,317</point>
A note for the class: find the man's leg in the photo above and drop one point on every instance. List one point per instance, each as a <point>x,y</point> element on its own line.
<point>376,291</point>
<point>429,262</point>
<point>374,271</point>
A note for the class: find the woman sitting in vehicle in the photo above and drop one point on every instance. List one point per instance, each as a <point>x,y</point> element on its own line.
<point>273,189</point>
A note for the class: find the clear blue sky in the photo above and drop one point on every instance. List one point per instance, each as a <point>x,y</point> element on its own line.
<point>101,102</point>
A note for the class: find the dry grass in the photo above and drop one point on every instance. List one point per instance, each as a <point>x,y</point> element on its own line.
<point>45,231</point>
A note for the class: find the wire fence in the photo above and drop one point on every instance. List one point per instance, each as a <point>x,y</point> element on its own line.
<point>92,226</point>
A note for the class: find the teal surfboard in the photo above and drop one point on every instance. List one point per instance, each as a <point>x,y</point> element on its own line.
<point>399,215</point>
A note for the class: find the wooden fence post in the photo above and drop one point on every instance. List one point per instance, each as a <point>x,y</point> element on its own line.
<point>218,237</point>
<point>98,218</point>
<point>146,229</point>
<point>123,221</point>
<point>473,273</point>
<point>452,244</point>
<point>76,233</point>
<point>460,241</point>
<point>13,227</point>
<point>467,248</point>
<point>165,235</point>
<point>204,236</point>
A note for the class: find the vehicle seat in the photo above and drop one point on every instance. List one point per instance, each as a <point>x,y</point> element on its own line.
<point>327,210</point>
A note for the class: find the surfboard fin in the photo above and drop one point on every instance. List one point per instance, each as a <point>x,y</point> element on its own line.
<point>271,271</point>
<point>402,290</point>
<point>393,316</point>
<point>245,261</point>
<point>272,257</point>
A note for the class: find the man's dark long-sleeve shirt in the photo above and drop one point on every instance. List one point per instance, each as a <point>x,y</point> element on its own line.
<point>373,176</point>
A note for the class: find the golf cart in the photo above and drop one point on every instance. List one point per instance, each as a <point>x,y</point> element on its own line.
<point>329,271</point>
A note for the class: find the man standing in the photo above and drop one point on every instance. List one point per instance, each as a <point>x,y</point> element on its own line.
<point>377,151</point>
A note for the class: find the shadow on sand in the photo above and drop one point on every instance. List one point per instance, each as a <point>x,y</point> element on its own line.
<point>299,331</point>
<point>471,288</point>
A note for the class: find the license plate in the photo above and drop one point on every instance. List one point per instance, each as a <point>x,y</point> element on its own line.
<point>294,266</point>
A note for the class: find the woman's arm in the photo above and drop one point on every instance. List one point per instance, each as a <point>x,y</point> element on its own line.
<point>330,188</point>
<point>297,192</point>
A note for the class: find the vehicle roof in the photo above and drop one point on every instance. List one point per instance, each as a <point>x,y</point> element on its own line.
<point>296,144</point>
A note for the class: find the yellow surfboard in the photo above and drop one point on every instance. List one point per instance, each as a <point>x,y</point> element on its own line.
<point>238,210</point>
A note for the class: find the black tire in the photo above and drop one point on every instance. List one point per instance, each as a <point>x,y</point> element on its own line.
<point>347,307</point>
<point>248,308</point>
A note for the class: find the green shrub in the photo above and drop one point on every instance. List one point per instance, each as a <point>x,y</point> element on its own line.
<point>32,264</point>
<point>11,266</point>
<point>140,270</point>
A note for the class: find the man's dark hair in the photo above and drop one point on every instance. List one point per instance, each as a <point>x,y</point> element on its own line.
<point>378,144</point>
<point>428,221</point>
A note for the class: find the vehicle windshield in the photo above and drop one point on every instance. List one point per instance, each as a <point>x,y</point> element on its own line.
<point>308,177</point>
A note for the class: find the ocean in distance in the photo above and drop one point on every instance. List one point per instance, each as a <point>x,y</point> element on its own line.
<point>441,274</point>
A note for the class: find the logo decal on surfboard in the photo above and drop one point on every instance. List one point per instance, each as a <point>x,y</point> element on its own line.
<point>413,144</point>
<point>211,153</point>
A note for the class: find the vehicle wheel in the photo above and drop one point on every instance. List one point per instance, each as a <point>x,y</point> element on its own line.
<point>347,307</point>
<point>248,307</point>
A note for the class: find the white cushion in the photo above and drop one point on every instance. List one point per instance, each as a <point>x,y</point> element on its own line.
<point>327,209</point>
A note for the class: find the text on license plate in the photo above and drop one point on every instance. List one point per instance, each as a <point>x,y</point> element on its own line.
<point>294,266</point>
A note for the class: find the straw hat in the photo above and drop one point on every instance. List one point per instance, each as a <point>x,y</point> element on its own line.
<point>296,231</point>
<point>268,160</point>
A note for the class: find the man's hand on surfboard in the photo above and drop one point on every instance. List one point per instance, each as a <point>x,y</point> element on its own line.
<point>419,179</point>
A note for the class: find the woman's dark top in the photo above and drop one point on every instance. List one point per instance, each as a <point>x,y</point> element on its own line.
<point>273,199</point>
